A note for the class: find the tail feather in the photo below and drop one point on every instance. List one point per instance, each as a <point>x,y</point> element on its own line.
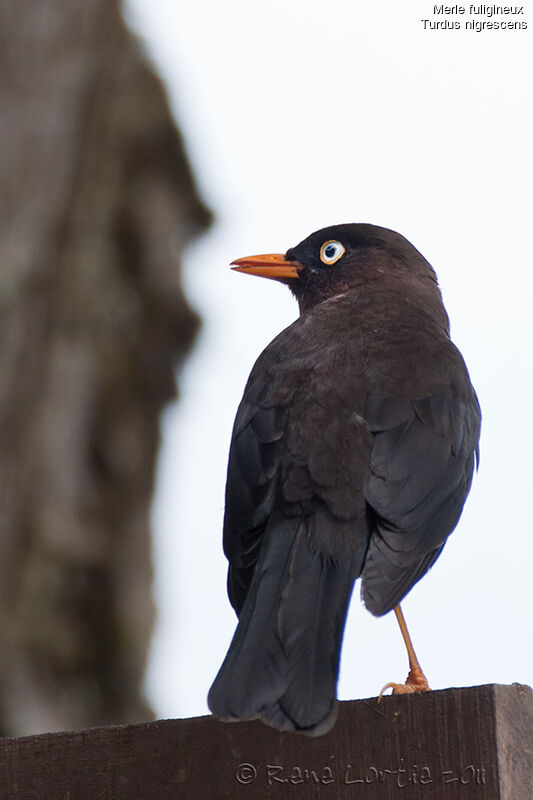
<point>283,662</point>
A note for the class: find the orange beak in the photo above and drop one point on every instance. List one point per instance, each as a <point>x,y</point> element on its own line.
<point>271,265</point>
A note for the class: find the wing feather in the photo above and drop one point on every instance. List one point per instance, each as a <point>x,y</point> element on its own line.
<point>421,469</point>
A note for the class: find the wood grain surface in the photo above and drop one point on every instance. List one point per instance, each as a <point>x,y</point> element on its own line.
<point>470,744</point>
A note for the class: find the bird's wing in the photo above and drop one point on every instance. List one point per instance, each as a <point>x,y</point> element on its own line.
<point>252,481</point>
<point>298,447</point>
<point>420,473</point>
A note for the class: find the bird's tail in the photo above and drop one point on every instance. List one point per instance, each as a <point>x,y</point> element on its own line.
<point>283,662</point>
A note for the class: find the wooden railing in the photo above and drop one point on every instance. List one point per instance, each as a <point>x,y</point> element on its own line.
<point>469,744</point>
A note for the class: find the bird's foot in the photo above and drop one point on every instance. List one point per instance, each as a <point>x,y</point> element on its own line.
<point>416,682</point>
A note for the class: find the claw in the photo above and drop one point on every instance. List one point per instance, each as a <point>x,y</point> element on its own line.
<point>416,682</point>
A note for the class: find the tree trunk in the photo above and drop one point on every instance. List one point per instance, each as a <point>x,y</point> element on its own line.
<point>98,204</point>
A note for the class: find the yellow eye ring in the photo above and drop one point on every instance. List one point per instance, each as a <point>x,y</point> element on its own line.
<point>331,251</point>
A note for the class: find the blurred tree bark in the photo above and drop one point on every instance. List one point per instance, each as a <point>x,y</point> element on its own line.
<point>98,202</point>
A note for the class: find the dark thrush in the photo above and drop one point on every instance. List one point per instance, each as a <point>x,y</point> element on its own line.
<point>351,457</point>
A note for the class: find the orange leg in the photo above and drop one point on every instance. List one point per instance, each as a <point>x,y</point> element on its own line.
<point>416,680</point>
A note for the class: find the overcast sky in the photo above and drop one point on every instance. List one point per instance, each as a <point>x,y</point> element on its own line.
<point>299,114</point>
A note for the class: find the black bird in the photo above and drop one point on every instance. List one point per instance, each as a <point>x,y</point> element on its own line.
<point>351,456</point>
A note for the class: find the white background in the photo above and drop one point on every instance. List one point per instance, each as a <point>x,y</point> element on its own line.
<point>301,114</point>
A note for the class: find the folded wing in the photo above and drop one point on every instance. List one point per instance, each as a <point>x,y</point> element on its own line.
<point>420,473</point>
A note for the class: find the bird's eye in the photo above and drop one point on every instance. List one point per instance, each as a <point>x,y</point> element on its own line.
<point>331,251</point>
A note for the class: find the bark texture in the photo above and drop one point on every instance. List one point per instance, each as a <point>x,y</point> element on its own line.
<point>98,202</point>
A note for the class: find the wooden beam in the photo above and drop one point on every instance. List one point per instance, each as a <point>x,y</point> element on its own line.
<point>469,744</point>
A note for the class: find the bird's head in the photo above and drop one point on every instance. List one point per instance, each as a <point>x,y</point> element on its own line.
<point>334,260</point>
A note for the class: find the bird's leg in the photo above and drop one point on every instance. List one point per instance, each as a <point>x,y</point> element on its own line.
<point>416,680</point>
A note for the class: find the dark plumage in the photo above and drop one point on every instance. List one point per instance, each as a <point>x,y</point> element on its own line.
<point>352,455</point>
